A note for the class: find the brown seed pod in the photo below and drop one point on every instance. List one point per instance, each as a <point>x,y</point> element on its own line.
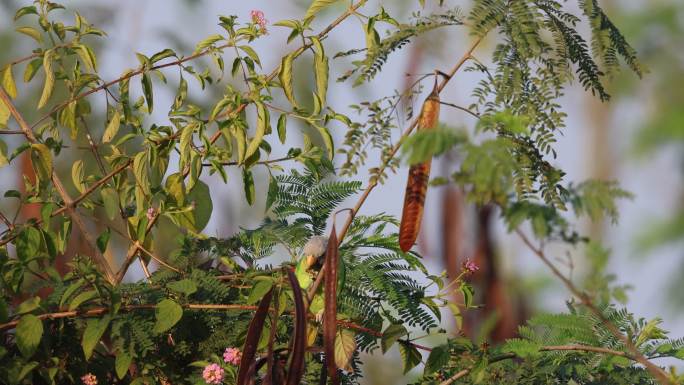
<point>419,175</point>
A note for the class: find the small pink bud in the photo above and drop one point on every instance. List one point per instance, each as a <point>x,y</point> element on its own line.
<point>89,379</point>
<point>232,356</point>
<point>213,374</point>
<point>469,266</point>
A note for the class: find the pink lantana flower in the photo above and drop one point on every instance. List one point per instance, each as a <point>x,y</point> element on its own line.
<point>89,379</point>
<point>258,18</point>
<point>469,266</point>
<point>232,356</point>
<point>213,374</point>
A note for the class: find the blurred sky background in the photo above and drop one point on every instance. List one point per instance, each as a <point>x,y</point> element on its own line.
<point>599,141</point>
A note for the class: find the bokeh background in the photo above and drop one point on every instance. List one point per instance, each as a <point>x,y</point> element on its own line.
<point>637,139</point>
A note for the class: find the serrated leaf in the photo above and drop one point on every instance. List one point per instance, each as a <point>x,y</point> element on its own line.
<point>184,286</point>
<point>251,53</point>
<point>29,331</point>
<point>31,69</point>
<point>23,11</point>
<point>163,54</point>
<point>321,69</point>
<point>49,79</point>
<point>410,356</point>
<point>94,330</point>
<point>4,114</point>
<point>168,313</point>
<point>77,175</point>
<point>110,200</point>
<point>262,128</point>
<point>41,158</point>
<point>438,358</point>
<point>81,298</point>
<point>32,32</point>
<point>345,346</point>
<point>87,56</point>
<point>122,363</point>
<point>248,182</point>
<point>103,240</point>
<point>147,91</point>
<point>259,290</point>
<point>316,6</point>
<point>285,77</point>
<point>392,335</point>
<point>8,82</point>
<point>112,127</point>
<point>282,128</point>
<point>327,140</point>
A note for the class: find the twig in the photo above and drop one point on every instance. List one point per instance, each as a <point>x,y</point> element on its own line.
<point>68,202</point>
<point>657,372</point>
<point>76,201</point>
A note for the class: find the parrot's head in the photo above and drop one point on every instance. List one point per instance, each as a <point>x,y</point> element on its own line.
<point>314,249</point>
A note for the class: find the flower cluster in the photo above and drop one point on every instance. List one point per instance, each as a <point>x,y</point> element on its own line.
<point>258,18</point>
<point>213,374</point>
<point>89,379</point>
<point>232,356</point>
<point>469,266</point>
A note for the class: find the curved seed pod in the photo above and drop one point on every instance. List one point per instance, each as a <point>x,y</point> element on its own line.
<point>330,309</point>
<point>256,326</point>
<point>419,175</point>
<point>296,370</point>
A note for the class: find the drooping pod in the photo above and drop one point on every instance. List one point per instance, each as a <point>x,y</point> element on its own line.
<point>418,177</point>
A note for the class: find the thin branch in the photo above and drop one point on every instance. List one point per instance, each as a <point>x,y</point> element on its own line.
<point>57,183</point>
<point>128,76</point>
<point>476,115</point>
<point>657,372</point>
<point>75,202</point>
<point>372,184</point>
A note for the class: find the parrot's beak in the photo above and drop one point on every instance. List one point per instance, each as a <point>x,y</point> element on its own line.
<point>310,261</point>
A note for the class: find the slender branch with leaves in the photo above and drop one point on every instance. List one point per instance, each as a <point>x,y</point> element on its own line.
<point>292,300</point>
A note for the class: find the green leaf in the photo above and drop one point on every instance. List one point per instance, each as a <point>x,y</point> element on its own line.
<point>321,69</point>
<point>163,54</point>
<point>77,175</point>
<point>122,363</point>
<point>207,42</point>
<point>8,82</point>
<point>49,79</point>
<point>391,335</point>
<point>141,172</point>
<point>522,348</point>
<point>110,200</point>
<point>302,275</point>
<point>251,53</point>
<point>200,197</point>
<point>410,356</point>
<point>28,305</point>
<point>32,32</point>
<point>147,91</point>
<point>29,331</point>
<point>327,139</point>
<point>41,157</point>
<point>282,127</point>
<point>259,291</point>
<point>168,313</point>
<point>263,127</point>
<point>316,6</point>
<point>112,127</point>
<point>81,298</point>
<point>31,69</point>
<point>285,77</point>
<point>94,330</point>
<point>345,346</point>
<point>438,358</point>
<point>87,56</point>
<point>4,114</point>
<point>248,181</point>
<point>184,286</point>
<point>28,244</point>
<point>103,240</point>
<point>23,11</point>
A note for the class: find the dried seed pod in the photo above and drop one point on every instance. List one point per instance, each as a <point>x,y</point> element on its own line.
<point>419,175</point>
